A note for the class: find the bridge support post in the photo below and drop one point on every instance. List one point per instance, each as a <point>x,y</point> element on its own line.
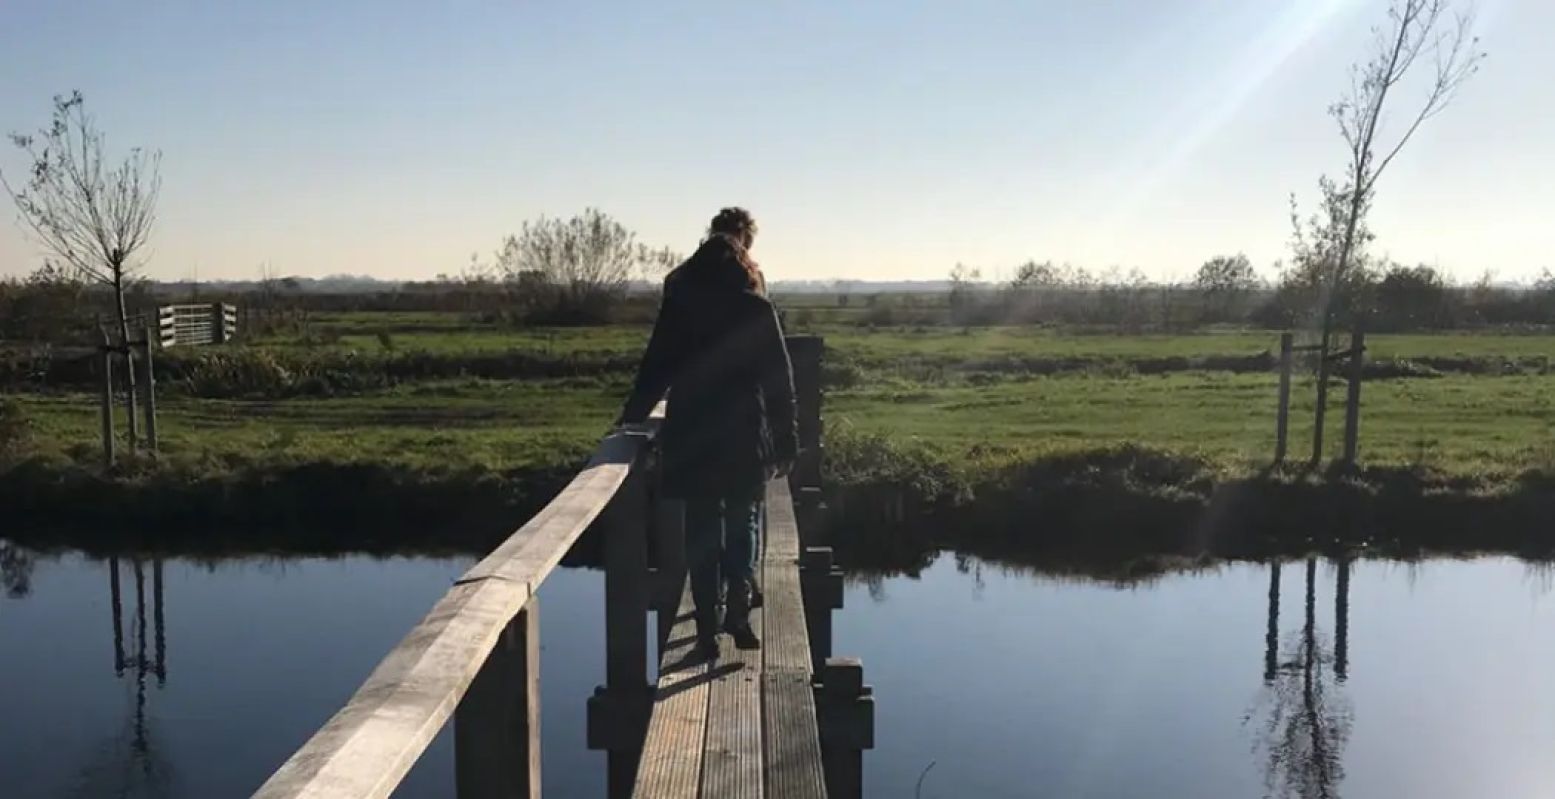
<point>497,723</point>
<point>669,532</point>
<point>820,581</point>
<point>846,716</point>
<point>810,510</point>
<point>618,713</point>
<point>805,353</point>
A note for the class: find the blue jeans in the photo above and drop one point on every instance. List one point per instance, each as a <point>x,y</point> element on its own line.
<point>722,540</point>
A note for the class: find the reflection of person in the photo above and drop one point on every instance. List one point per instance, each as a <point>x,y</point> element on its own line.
<point>718,350</point>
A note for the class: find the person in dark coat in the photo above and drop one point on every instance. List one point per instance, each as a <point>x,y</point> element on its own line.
<point>717,349</point>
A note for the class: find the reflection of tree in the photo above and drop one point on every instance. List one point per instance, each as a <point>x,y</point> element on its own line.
<point>130,763</point>
<point>1306,718</point>
<point>16,566</point>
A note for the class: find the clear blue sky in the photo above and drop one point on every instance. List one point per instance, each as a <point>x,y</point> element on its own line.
<point>872,140</point>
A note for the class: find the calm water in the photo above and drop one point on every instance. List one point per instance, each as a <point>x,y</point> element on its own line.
<point>1429,681</point>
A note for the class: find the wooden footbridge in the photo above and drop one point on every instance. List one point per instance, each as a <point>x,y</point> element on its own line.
<point>783,721</point>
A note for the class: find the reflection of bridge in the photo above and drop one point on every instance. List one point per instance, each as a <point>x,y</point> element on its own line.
<point>783,721</point>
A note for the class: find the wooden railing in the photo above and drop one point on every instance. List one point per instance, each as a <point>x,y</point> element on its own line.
<point>474,655</point>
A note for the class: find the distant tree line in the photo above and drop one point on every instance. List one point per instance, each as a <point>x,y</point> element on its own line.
<point>50,305</point>
<point>1382,297</point>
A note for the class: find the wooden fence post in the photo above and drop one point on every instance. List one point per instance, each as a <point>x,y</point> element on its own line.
<point>820,582</point>
<point>618,712</point>
<point>107,401</point>
<point>1320,411</point>
<point>497,723</point>
<point>1352,401</point>
<point>1282,425</point>
<point>847,726</point>
<point>151,395</point>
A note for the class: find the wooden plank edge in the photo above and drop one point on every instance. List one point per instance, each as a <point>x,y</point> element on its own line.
<point>369,745</point>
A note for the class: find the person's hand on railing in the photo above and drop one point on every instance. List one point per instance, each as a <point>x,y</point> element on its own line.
<point>633,428</point>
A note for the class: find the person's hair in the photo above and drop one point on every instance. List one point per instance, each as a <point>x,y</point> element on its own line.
<point>733,221</point>
<point>723,261</point>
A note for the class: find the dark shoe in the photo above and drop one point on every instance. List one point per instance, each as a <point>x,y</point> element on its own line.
<point>707,635</point>
<point>757,599</point>
<point>707,647</point>
<point>744,637</point>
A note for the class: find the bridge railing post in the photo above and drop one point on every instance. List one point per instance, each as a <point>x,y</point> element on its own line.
<point>805,352</point>
<point>820,583</point>
<point>618,711</point>
<point>669,536</point>
<point>846,716</point>
<point>497,723</point>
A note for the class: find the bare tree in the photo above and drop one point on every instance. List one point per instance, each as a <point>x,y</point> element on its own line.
<point>575,270</point>
<point>94,216</point>
<point>654,264</point>
<point>1416,30</point>
<point>1222,281</point>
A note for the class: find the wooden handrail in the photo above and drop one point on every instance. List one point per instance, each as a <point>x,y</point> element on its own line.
<point>365,750</point>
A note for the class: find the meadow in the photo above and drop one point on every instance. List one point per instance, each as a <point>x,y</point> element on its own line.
<point>428,390</point>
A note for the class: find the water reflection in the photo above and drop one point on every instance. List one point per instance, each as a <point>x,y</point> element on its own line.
<point>130,762</point>
<point>1304,718</point>
<point>16,565</point>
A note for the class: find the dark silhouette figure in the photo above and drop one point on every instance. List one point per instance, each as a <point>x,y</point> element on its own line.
<point>717,349</point>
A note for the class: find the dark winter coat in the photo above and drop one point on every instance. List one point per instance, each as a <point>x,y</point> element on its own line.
<point>718,350</point>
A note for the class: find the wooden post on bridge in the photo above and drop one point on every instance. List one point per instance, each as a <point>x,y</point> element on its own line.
<point>618,711</point>
<point>821,583</point>
<point>805,353</point>
<point>497,723</point>
<point>669,530</point>
<point>1282,425</point>
<point>846,717</point>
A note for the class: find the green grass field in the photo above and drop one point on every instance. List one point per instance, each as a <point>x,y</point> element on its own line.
<point>453,333</point>
<point>1456,423</point>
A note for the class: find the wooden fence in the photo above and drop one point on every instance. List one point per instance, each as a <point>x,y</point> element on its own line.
<point>196,325</point>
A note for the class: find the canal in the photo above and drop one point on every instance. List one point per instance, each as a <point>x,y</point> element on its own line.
<point>1368,679</point>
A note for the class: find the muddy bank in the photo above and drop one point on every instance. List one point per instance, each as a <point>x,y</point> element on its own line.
<point>1127,510</point>
<point>321,508</point>
<point>1108,513</point>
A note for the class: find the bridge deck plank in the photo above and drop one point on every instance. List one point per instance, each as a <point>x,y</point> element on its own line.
<point>793,746</point>
<point>671,764</point>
